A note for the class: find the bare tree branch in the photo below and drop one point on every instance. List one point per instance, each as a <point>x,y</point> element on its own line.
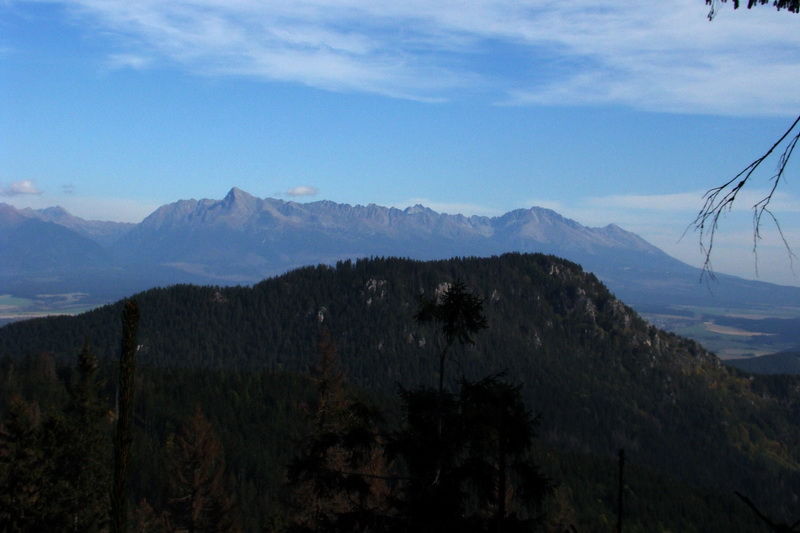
<point>719,200</point>
<point>778,528</point>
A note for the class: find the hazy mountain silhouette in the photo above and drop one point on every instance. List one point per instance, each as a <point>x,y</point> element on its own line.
<point>242,239</point>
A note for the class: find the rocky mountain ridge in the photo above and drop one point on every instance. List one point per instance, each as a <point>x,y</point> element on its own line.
<point>242,239</point>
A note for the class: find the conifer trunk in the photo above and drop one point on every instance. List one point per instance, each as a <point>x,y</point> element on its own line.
<point>124,436</point>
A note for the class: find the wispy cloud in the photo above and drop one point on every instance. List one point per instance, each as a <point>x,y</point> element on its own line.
<point>662,56</point>
<point>303,190</point>
<point>20,188</point>
<point>132,61</point>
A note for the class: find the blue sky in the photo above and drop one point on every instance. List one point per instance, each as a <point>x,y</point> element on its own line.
<point>619,112</point>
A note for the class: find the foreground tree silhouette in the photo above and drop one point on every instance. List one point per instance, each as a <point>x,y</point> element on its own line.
<point>77,482</point>
<point>456,314</point>
<point>477,475</point>
<point>124,434</point>
<point>54,473</point>
<point>430,450</point>
<point>86,414</point>
<point>22,468</point>
<point>499,431</point>
<point>456,463</point>
<point>199,498</point>
<point>338,478</point>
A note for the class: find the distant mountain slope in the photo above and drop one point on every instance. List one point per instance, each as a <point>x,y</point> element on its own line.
<point>601,377</point>
<point>242,239</point>
<point>104,232</point>
<point>29,245</point>
<point>778,363</point>
<point>267,225</point>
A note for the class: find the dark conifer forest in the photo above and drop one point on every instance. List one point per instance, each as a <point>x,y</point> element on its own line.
<point>387,394</point>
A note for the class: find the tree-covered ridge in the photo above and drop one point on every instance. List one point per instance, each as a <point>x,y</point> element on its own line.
<point>601,378</point>
<point>546,303</point>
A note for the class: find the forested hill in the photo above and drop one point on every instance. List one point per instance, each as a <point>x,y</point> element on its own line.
<point>601,377</point>
<point>538,307</point>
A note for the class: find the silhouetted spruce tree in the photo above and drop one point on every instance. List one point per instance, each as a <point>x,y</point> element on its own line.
<point>22,468</point>
<point>498,432</point>
<point>477,474</point>
<point>199,496</point>
<point>56,494</point>
<point>456,314</point>
<point>338,476</point>
<point>430,446</point>
<point>429,450</point>
<point>57,469</point>
<point>466,456</point>
<point>78,454</point>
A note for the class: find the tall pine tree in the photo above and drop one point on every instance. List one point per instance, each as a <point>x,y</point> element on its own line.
<point>338,476</point>
<point>22,468</point>
<point>199,496</point>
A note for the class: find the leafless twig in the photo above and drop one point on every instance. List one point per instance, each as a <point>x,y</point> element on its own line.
<point>778,528</point>
<point>719,200</point>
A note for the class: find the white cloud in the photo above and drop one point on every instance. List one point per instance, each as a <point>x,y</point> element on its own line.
<point>662,56</point>
<point>20,188</point>
<point>303,190</point>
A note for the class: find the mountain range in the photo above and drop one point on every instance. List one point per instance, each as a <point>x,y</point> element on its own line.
<point>242,239</point>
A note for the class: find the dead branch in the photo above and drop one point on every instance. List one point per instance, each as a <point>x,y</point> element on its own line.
<point>719,200</point>
<point>778,528</point>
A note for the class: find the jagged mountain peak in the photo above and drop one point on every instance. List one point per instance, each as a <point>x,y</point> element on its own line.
<point>244,239</point>
<point>56,213</point>
<point>418,209</point>
<point>10,215</point>
<point>239,205</point>
<point>237,195</point>
<point>538,215</point>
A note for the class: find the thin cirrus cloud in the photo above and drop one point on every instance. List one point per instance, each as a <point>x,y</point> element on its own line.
<point>20,188</point>
<point>660,56</point>
<point>132,61</point>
